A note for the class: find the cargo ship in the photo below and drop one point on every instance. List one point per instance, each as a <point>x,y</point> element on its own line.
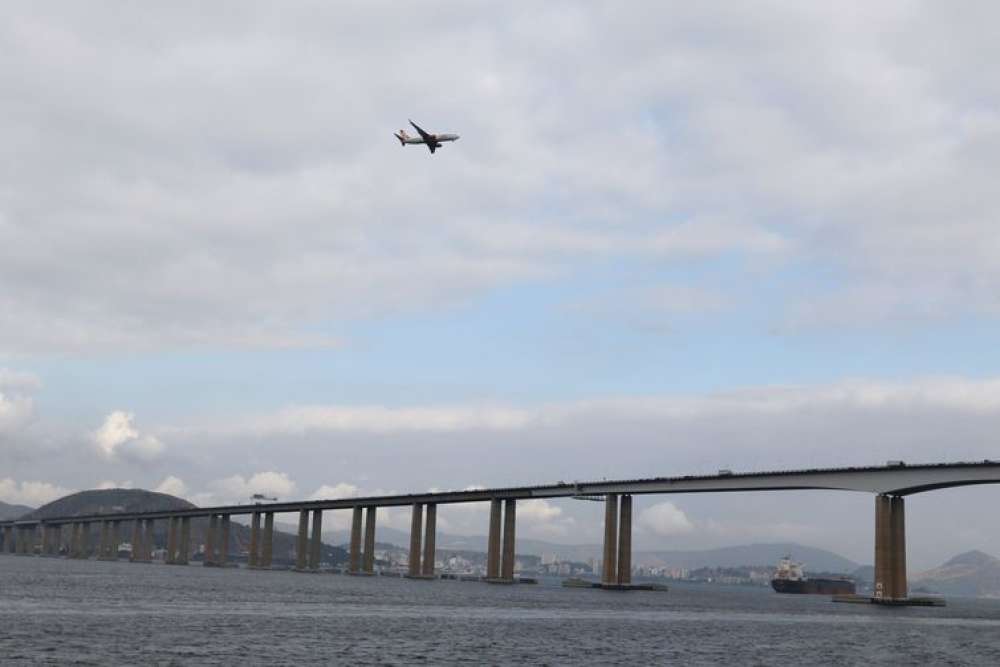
<point>789,579</point>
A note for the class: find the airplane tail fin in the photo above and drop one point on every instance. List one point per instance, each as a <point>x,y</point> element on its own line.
<point>402,136</point>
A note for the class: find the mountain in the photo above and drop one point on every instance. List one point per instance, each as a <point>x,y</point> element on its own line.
<point>972,573</point>
<point>109,500</point>
<point>139,500</point>
<point>815,560</point>
<point>8,511</point>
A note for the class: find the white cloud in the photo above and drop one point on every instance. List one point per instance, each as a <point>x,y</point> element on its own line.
<point>19,381</point>
<point>958,394</point>
<point>15,413</point>
<point>537,511</point>
<point>381,419</point>
<point>341,490</point>
<point>16,405</point>
<point>239,489</point>
<point>111,484</point>
<point>665,520</point>
<point>32,494</point>
<point>173,486</point>
<point>118,437</point>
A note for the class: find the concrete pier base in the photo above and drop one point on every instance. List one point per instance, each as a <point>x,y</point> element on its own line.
<point>912,601</point>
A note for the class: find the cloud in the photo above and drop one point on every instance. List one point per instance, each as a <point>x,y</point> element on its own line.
<point>17,408</point>
<point>19,381</point>
<point>383,419</point>
<point>537,511</point>
<point>118,438</point>
<point>665,520</point>
<point>15,413</point>
<point>341,490</point>
<point>239,489</point>
<point>111,484</point>
<point>32,494</point>
<point>172,486</point>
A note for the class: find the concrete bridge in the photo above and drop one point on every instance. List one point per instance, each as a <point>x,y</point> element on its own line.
<point>889,484</point>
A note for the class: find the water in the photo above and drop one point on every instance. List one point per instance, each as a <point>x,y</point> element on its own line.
<point>55,611</point>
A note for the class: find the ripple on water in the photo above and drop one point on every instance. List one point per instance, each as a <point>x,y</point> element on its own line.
<point>70,612</point>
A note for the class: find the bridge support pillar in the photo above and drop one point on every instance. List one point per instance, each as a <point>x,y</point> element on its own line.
<point>493,542</point>
<point>252,558</point>
<point>74,541</point>
<point>268,541</point>
<point>172,526</point>
<point>184,550</point>
<point>85,540</point>
<point>616,570</point>
<point>609,568</point>
<point>302,544</point>
<point>104,548</point>
<point>8,539</point>
<point>316,545</point>
<point>416,525</point>
<point>500,547</point>
<point>211,537</point>
<point>136,555</point>
<point>116,539</point>
<point>430,539</point>
<point>28,540</point>
<point>368,559</point>
<point>509,522</point>
<point>47,535</point>
<point>890,549</point>
<point>223,545</point>
<point>625,541</point>
<point>354,552</point>
<point>148,540</point>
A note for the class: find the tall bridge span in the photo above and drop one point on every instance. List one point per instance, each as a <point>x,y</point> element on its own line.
<point>889,484</point>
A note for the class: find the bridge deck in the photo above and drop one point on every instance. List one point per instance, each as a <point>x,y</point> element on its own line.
<point>892,479</point>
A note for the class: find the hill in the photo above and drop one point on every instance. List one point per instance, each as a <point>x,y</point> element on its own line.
<point>815,560</point>
<point>972,573</point>
<point>8,511</point>
<point>139,500</point>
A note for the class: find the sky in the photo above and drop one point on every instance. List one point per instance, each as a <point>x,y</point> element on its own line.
<point>670,240</point>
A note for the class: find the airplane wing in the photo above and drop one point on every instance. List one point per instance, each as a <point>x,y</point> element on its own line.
<point>427,136</point>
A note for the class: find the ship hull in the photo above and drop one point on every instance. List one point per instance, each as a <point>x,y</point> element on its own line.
<point>814,586</point>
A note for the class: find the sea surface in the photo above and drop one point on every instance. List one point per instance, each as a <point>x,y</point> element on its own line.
<point>63,612</point>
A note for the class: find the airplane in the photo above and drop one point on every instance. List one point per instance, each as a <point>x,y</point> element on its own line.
<point>433,141</point>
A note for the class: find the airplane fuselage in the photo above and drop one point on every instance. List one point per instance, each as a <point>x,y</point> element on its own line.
<point>437,139</point>
<point>429,139</point>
